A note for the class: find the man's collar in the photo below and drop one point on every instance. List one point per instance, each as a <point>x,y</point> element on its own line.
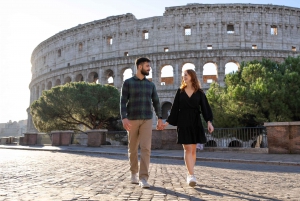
<point>136,78</point>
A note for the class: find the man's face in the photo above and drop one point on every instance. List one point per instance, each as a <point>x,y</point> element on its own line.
<point>145,68</point>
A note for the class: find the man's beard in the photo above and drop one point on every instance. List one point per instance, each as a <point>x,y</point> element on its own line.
<point>144,72</point>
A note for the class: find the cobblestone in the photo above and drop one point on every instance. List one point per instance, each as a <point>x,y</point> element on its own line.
<point>44,175</point>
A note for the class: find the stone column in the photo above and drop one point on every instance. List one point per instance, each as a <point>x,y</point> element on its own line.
<point>177,74</point>
<point>118,78</point>
<point>155,78</point>
<point>199,69</point>
<point>221,71</point>
<point>100,74</point>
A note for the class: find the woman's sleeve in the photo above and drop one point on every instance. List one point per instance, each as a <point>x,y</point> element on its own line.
<point>205,108</point>
<point>172,118</point>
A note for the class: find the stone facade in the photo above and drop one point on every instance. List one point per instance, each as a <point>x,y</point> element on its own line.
<point>196,33</point>
<point>13,128</point>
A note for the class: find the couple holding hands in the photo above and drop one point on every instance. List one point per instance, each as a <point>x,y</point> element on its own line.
<point>138,95</point>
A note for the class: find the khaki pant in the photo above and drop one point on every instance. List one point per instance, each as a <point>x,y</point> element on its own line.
<point>140,134</point>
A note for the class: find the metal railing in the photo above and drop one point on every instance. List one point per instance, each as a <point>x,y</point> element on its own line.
<point>247,137</point>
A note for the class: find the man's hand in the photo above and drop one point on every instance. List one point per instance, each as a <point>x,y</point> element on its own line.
<point>159,125</point>
<point>210,127</point>
<point>126,124</point>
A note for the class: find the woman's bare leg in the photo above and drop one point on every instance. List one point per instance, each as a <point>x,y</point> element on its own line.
<point>190,157</point>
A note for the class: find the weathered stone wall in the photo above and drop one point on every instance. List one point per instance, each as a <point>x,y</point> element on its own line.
<point>107,47</point>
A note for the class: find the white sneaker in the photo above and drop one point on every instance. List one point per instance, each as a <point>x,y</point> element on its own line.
<point>191,180</point>
<point>134,178</point>
<point>144,184</point>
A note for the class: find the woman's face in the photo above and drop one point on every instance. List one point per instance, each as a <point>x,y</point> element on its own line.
<point>186,77</point>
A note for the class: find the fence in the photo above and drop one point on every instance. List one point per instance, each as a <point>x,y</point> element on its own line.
<point>238,137</point>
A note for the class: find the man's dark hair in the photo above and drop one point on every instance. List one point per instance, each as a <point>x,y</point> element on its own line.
<point>141,60</point>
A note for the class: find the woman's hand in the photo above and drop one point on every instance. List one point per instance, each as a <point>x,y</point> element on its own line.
<point>210,127</point>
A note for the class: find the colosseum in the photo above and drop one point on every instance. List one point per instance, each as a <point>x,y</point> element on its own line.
<point>205,37</point>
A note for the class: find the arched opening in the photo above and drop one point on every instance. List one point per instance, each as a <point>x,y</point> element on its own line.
<point>187,66</point>
<point>149,77</point>
<point>43,88</point>
<point>67,80</point>
<point>49,85</point>
<point>231,67</point>
<point>79,78</point>
<point>235,143</point>
<point>166,109</point>
<point>80,46</point>
<point>167,75</point>
<point>211,143</point>
<point>127,74</point>
<point>109,74</point>
<point>57,82</point>
<point>93,77</point>
<point>145,34</point>
<point>210,73</point>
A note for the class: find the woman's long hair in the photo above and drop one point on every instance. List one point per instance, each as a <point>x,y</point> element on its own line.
<point>195,82</point>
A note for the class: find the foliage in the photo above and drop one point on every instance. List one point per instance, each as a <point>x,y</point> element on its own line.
<point>261,91</point>
<point>75,106</point>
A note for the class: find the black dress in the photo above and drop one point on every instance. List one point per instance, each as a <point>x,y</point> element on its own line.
<point>185,114</point>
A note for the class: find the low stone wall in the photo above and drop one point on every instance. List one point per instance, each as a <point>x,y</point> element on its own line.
<point>283,137</point>
<point>61,138</point>
<point>165,139</point>
<point>96,137</point>
<point>30,138</point>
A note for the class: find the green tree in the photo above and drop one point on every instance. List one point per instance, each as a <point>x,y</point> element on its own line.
<point>261,91</point>
<point>75,106</point>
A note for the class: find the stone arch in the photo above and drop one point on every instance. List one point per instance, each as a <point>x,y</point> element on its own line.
<point>49,85</point>
<point>187,66</point>
<point>126,73</point>
<point>149,77</point>
<point>57,82</point>
<point>231,66</point>
<point>93,77</point>
<point>79,78</point>
<point>167,75</point>
<point>59,53</point>
<point>235,143</point>
<point>43,87</point>
<point>211,143</point>
<point>109,75</point>
<point>67,79</point>
<point>80,46</point>
<point>210,72</point>
<point>166,109</point>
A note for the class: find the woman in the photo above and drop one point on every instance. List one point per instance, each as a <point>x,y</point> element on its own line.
<point>190,101</point>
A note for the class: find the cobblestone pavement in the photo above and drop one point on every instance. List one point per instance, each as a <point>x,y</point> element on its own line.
<point>45,175</point>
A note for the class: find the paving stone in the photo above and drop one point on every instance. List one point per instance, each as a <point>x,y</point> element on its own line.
<point>41,175</point>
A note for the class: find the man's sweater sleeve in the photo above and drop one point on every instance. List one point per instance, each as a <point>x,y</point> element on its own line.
<point>124,99</point>
<point>156,103</point>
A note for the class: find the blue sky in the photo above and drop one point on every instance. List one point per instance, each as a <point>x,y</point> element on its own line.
<point>26,23</point>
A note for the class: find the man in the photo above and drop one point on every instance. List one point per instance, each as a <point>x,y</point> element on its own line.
<point>137,97</point>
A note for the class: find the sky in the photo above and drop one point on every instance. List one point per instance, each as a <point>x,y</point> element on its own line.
<point>26,23</point>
